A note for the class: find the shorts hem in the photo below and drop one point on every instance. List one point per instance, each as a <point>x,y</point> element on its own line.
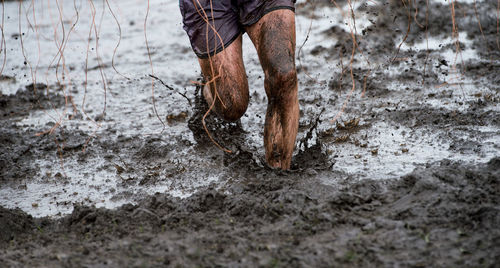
<point>213,53</point>
<point>268,11</point>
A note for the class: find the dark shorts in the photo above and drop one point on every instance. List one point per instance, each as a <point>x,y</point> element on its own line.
<point>229,19</point>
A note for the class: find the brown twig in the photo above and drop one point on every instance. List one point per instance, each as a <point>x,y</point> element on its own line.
<point>171,88</point>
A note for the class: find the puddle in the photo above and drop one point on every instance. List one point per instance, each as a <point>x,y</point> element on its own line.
<point>452,56</point>
<point>387,151</point>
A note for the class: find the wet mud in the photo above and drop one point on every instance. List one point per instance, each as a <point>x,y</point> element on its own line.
<point>407,175</point>
<point>444,214</point>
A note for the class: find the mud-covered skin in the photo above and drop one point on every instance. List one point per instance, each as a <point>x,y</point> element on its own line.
<point>446,215</point>
<point>274,38</point>
<point>226,82</point>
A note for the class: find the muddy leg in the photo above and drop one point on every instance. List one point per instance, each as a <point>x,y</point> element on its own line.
<point>274,37</point>
<point>230,86</point>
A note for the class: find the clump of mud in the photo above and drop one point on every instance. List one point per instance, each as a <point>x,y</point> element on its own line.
<point>18,145</point>
<point>33,97</point>
<point>14,222</point>
<point>446,214</point>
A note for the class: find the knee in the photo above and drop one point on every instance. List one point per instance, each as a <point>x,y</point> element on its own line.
<point>281,83</point>
<point>232,105</point>
<point>233,111</point>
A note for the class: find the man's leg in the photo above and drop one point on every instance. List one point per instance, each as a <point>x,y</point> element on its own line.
<point>226,82</point>
<point>274,37</point>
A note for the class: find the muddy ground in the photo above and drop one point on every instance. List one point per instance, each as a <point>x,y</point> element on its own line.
<point>409,174</point>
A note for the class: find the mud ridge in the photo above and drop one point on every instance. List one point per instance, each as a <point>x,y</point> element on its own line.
<point>446,214</point>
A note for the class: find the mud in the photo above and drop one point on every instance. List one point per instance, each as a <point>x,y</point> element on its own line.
<point>407,175</point>
<point>446,214</point>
